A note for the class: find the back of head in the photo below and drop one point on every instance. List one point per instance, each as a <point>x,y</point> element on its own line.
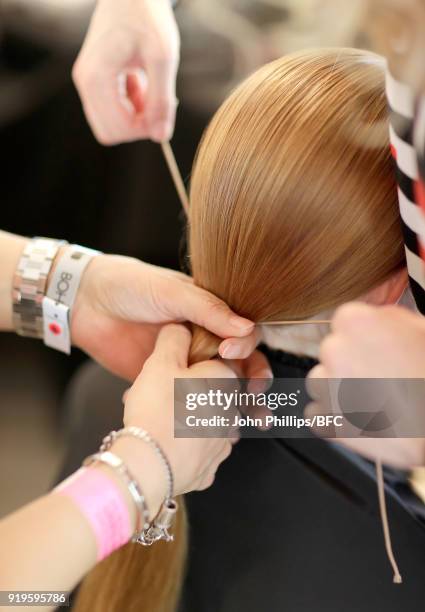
<point>293,198</point>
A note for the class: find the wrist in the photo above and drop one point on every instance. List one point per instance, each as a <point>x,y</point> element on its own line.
<point>64,294</point>
<point>145,467</point>
<point>30,287</point>
<point>123,489</point>
<point>102,501</point>
<point>59,255</point>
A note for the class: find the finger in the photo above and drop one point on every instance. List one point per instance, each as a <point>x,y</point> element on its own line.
<point>161,64</point>
<point>236,365</point>
<point>314,379</point>
<point>312,411</point>
<point>204,309</point>
<point>352,316</point>
<point>97,76</point>
<point>172,346</point>
<point>318,371</point>
<point>110,115</point>
<point>260,413</point>
<point>239,348</point>
<point>316,383</point>
<point>136,91</point>
<point>161,101</point>
<point>259,373</point>
<point>332,352</point>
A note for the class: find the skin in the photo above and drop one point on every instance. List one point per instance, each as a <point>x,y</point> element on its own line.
<point>122,304</point>
<point>371,342</point>
<point>124,38</point>
<point>56,524</point>
<point>120,318</point>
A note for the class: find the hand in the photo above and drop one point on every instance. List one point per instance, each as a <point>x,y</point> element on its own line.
<point>122,304</point>
<point>150,404</point>
<point>376,342</point>
<point>127,37</point>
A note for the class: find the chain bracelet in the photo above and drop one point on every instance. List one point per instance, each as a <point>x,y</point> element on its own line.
<point>159,528</point>
<point>142,434</point>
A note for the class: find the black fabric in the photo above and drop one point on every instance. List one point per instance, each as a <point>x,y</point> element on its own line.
<point>403,126</point>
<point>294,526</point>
<point>418,294</point>
<point>410,238</point>
<point>288,526</point>
<point>405,184</point>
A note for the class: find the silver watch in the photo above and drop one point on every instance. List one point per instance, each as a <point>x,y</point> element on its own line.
<point>29,285</point>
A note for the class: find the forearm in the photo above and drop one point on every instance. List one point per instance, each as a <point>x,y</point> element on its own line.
<point>11,247</point>
<point>49,545</point>
<point>46,546</point>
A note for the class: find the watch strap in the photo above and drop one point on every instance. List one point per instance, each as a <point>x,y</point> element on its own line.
<point>29,285</point>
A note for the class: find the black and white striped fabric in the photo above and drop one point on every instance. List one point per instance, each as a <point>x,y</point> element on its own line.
<point>407,136</point>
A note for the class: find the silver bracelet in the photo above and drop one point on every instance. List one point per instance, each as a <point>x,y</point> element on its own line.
<point>159,528</point>
<point>115,462</point>
<point>142,434</point>
<point>162,523</point>
<point>29,285</point>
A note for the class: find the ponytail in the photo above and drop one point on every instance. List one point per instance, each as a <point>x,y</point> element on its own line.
<point>137,578</point>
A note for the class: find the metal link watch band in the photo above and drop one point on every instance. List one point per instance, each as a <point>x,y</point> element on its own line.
<point>29,285</point>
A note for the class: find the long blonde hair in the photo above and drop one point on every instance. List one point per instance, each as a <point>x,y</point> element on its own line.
<point>293,210</point>
<point>293,197</point>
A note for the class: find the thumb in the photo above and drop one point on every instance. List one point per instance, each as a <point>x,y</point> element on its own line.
<point>172,346</point>
<point>206,310</point>
<point>161,103</point>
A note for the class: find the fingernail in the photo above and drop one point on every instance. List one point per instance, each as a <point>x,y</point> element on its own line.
<point>230,351</point>
<point>161,131</point>
<point>241,323</point>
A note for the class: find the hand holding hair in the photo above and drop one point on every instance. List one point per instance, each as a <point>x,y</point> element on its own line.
<point>122,304</point>
<point>57,522</point>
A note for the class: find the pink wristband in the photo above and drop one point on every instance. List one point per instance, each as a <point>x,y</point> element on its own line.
<point>103,505</point>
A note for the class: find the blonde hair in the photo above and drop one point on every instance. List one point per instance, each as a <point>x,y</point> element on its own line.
<point>293,197</point>
<point>293,210</point>
<point>137,578</point>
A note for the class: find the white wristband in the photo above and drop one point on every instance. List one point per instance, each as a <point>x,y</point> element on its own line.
<point>61,294</point>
